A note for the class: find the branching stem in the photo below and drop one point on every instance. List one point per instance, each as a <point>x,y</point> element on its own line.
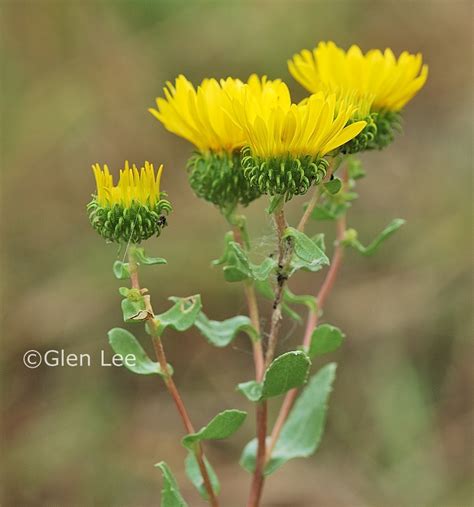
<point>169,382</point>
<point>311,324</point>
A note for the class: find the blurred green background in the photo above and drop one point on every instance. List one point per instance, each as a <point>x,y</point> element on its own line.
<point>77,80</point>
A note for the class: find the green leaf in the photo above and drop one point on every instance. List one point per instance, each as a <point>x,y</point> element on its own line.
<point>325,339</point>
<point>182,315</point>
<point>318,239</point>
<point>121,270</point>
<point>124,291</point>
<point>170,495</point>
<point>194,475</point>
<point>286,372</point>
<point>221,333</point>
<point>262,271</point>
<point>307,254</point>
<point>222,426</point>
<point>265,289</point>
<point>124,343</point>
<point>235,263</point>
<point>333,186</point>
<point>351,238</point>
<point>302,432</point>
<point>308,301</point>
<point>237,266</point>
<point>329,210</point>
<point>252,390</point>
<point>141,258</point>
<point>134,311</point>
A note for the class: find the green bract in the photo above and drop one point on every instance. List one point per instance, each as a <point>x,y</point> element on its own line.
<point>133,224</point>
<point>388,124</point>
<point>286,176</point>
<point>218,178</point>
<point>365,140</point>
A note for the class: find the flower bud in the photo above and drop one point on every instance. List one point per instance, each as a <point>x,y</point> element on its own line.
<point>132,211</point>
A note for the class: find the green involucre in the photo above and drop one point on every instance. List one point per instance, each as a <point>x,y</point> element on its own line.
<point>388,123</point>
<point>365,139</point>
<point>132,224</point>
<point>287,176</point>
<point>218,178</point>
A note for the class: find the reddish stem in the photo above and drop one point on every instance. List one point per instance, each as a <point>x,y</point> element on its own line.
<point>258,477</point>
<point>312,322</point>
<point>169,382</point>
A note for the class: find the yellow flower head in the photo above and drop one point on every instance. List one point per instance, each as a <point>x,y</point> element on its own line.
<point>286,142</point>
<point>199,115</point>
<point>132,210</point>
<point>378,77</point>
<point>276,127</point>
<point>139,186</point>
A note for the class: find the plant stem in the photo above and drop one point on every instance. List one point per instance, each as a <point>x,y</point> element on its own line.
<point>253,310</point>
<point>258,477</point>
<point>312,322</point>
<point>261,408</point>
<point>169,382</point>
<point>284,257</point>
<point>255,319</point>
<point>328,281</point>
<point>309,209</point>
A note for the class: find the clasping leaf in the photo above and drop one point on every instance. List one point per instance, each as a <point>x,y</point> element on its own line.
<point>325,339</point>
<point>125,344</point>
<point>352,241</point>
<point>170,495</point>
<point>236,265</point>
<point>182,315</point>
<point>222,426</point>
<point>141,258</point>
<point>302,432</point>
<point>307,254</point>
<point>221,333</point>
<point>121,270</point>
<point>286,372</point>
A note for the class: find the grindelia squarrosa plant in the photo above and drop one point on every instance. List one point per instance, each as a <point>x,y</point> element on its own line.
<point>252,141</point>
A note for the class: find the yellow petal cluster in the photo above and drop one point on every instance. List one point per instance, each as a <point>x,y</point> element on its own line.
<point>139,186</point>
<point>274,126</point>
<point>388,81</point>
<point>199,115</point>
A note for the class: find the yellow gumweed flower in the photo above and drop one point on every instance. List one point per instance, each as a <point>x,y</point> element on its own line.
<point>132,210</point>
<point>202,116</point>
<point>276,127</point>
<point>199,116</point>
<point>285,142</point>
<point>140,186</point>
<point>389,82</point>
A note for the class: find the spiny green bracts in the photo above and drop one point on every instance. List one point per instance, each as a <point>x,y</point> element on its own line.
<point>388,123</point>
<point>219,178</point>
<point>286,176</point>
<point>134,223</point>
<point>363,140</point>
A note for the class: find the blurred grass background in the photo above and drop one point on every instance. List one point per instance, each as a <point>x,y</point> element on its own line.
<point>77,80</point>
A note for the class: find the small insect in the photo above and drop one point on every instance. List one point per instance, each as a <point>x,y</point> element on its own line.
<point>162,222</point>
